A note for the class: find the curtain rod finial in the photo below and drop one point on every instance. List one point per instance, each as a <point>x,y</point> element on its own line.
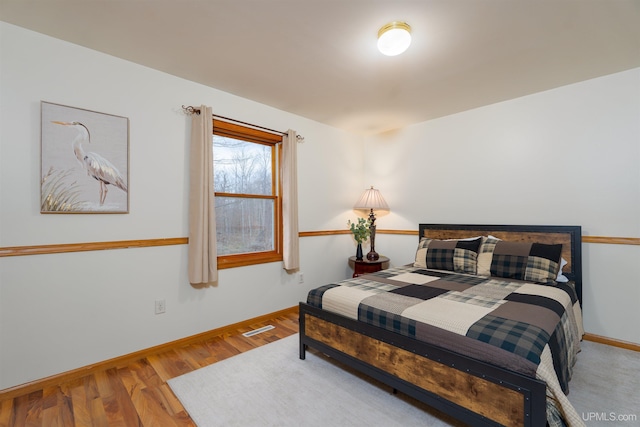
<point>191,110</point>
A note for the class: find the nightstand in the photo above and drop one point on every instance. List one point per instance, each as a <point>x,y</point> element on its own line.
<point>365,266</point>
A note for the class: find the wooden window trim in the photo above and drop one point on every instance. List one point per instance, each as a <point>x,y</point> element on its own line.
<point>232,130</point>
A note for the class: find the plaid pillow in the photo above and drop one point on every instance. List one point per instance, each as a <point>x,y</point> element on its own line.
<point>460,256</point>
<point>532,262</point>
<point>485,255</point>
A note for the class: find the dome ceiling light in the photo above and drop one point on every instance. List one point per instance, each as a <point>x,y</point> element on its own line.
<point>394,38</point>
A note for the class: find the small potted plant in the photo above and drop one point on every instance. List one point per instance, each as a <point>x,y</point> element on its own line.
<point>360,231</point>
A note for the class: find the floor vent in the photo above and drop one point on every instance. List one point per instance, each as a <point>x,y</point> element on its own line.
<point>258,331</point>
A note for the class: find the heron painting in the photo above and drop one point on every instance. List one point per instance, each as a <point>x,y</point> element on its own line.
<point>84,161</point>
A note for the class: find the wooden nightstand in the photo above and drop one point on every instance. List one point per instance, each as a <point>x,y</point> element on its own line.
<point>365,266</point>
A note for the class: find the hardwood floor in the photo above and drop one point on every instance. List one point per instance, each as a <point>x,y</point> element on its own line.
<point>136,394</point>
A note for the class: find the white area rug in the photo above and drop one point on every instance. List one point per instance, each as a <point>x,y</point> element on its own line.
<point>271,386</point>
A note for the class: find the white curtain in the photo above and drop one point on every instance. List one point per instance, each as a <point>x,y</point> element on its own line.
<point>291,246</point>
<point>203,257</point>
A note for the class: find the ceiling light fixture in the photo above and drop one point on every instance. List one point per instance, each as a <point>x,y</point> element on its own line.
<point>394,38</point>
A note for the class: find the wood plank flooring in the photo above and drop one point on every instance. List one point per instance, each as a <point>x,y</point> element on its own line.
<point>136,394</point>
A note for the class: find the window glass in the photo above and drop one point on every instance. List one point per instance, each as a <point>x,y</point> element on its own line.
<point>241,167</point>
<point>244,225</point>
<point>248,214</point>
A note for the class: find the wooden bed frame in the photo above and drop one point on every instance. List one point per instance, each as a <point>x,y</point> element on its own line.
<point>471,391</point>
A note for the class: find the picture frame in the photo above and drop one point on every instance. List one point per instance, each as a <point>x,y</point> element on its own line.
<point>84,161</point>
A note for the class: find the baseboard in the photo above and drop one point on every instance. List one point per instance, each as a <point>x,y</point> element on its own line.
<point>22,389</point>
<point>612,342</point>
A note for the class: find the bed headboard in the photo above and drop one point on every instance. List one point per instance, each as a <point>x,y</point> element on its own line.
<point>570,236</point>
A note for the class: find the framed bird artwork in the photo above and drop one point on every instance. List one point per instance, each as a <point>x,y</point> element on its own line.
<point>84,161</point>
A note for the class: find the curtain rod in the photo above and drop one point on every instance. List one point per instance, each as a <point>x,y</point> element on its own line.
<point>194,110</point>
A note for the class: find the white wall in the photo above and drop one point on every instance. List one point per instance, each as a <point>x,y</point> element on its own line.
<point>61,312</point>
<point>565,156</point>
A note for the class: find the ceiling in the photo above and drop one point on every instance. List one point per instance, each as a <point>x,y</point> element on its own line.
<point>318,58</point>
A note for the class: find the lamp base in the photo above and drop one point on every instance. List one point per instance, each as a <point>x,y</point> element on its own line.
<point>373,256</point>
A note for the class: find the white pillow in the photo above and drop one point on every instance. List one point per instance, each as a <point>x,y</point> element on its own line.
<point>561,277</point>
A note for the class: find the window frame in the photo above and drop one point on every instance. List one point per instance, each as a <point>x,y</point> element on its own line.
<point>248,134</point>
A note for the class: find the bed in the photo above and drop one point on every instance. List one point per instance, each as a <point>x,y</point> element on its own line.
<point>484,325</point>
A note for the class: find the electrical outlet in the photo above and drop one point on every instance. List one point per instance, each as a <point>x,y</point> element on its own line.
<point>161,306</point>
<point>301,277</point>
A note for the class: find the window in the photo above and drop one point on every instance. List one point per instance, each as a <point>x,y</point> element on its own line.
<point>247,197</point>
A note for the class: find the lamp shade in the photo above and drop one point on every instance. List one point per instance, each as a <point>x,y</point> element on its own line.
<point>371,199</point>
<point>394,38</point>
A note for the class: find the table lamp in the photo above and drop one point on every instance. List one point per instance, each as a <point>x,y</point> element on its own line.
<point>372,199</point>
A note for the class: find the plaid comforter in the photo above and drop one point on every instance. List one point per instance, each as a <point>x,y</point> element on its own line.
<point>525,327</point>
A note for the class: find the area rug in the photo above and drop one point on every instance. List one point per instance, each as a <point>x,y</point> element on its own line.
<point>271,386</point>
